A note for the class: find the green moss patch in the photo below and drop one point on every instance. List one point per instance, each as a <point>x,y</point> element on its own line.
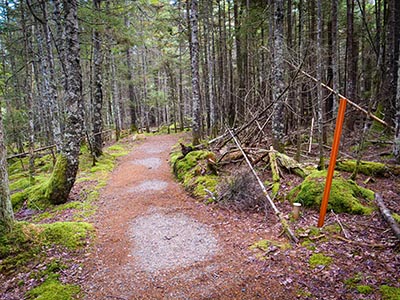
<point>69,234</point>
<point>53,289</point>
<point>364,289</point>
<point>265,245</point>
<point>318,259</point>
<point>389,292</point>
<point>344,197</point>
<point>368,168</point>
<point>194,171</point>
<point>25,243</point>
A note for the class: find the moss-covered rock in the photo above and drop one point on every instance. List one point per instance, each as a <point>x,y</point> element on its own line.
<point>344,195</point>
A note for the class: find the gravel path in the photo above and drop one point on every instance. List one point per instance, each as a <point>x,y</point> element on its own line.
<point>153,241</point>
<point>171,241</point>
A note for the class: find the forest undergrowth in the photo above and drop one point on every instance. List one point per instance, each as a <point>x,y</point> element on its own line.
<point>42,258</point>
<point>354,255</point>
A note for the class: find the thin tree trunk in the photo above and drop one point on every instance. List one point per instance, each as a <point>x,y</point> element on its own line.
<point>396,144</point>
<point>334,51</point>
<point>52,83</point>
<point>115,99</point>
<point>6,211</point>
<point>196,125</point>
<point>320,107</point>
<point>278,84</point>
<point>27,32</point>
<point>98,87</point>
<point>131,88</point>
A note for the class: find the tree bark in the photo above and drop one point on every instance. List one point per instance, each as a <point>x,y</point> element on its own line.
<point>6,211</point>
<point>65,170</point>
<point>98,88</point>
<point>396,144</point>
<point>196,124</point>
<point>320,106</point>
<point>278,84</point>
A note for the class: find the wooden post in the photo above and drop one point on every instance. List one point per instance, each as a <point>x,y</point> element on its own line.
<point>332,162</point>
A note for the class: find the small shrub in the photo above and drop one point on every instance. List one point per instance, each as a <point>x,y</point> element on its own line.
<point>240,192</point>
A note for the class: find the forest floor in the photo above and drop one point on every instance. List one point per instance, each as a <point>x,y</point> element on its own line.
<point>154,241</point>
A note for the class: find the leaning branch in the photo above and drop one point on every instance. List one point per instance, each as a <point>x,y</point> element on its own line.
<point>271,203</point>
<point>387,215</point>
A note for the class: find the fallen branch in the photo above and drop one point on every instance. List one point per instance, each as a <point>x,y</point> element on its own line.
<point>284,223</point>
<point>387,215</point>
<point>339,237</point>
<point>20,155</point>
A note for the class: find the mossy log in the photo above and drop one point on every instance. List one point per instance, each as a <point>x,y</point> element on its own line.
<point>368,168</point>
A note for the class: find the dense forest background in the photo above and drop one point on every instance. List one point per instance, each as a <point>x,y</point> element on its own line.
<point>71,70</point>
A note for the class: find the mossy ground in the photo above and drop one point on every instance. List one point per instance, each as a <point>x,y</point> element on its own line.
<point>344,197</point>
<point>28,244</point>
<point>319,259</point>
<point>194,172</point>
<point>389,292</point>
<point>53,289</point>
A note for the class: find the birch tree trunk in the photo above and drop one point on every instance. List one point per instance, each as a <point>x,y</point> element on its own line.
<point>278,84</point>
<point>98,88</point>
<point>6,212</point>
<point>196,124</point>
<point>64,173</point>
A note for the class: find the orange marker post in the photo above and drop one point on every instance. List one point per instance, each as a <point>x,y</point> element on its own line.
<point>332,162</point>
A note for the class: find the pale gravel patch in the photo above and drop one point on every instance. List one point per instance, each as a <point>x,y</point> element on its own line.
<point>164,242</point>
<point>151,162</point>
<point>154,150</point>
<point>149,185</point>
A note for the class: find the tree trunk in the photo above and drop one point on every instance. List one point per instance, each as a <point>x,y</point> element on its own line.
<point>278,84</point>
<point>131,90</point>
<point>334,52</point>
<point>115,98</point>
<point>396,144</point>
<point>6,211</point>
<point>196,125</point>
<point>64,173</point>
<point>27,32</point>
<point>98,88</point>
<point>320,107</point>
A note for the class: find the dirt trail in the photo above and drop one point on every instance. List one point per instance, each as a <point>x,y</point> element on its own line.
<point>155,242</point>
